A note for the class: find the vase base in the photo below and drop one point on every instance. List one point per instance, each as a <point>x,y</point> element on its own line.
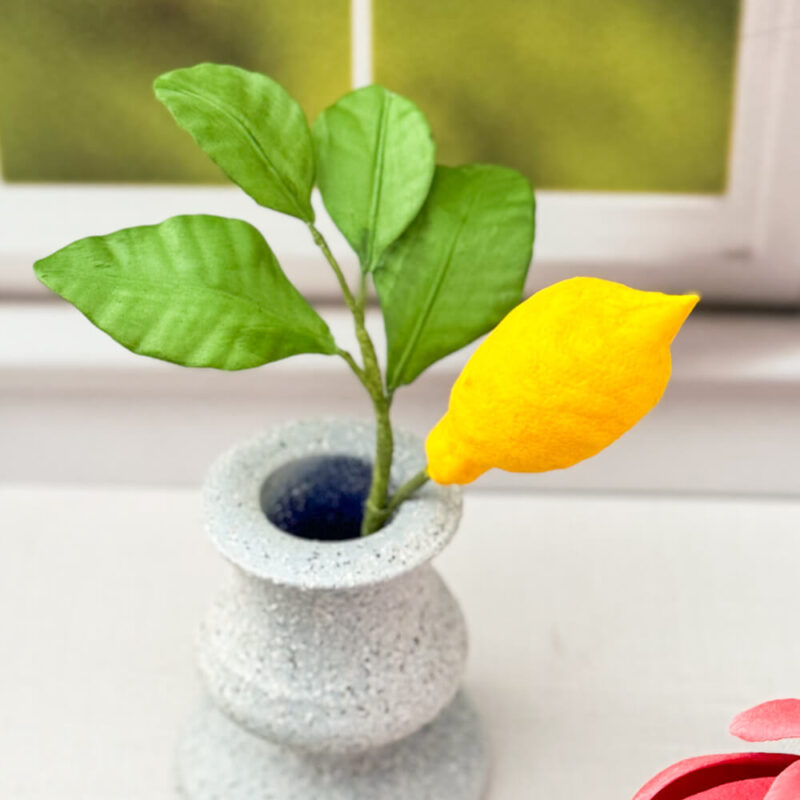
<point>447,760</point>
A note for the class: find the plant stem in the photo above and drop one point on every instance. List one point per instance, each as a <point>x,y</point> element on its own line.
<point>362,291</point>
<point>351,362</point>
<point>375,506</point>
<point>407,489</point>
<point>319,240</point>
<point>401,495</point>
<point>370,375</point>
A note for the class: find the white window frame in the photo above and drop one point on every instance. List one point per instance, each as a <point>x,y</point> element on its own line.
<point>743,246</point>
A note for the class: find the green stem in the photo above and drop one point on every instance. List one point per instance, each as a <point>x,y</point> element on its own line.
<point>375,506</point>
<point>319,240</point>
<point>361,300</point>
<point>407,489</point>
<point>351,362</point>
<point>402,494</point>
<point>370,375</point>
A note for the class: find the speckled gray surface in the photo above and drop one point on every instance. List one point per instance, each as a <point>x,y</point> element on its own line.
<point>237,525</point>
<point>334,669</point>
<point>446,760</point>
<point>326,660</point>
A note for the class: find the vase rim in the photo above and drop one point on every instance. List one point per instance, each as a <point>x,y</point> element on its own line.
<point>241,531</point>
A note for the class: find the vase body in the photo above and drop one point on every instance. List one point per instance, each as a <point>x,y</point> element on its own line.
<point>332,668</point>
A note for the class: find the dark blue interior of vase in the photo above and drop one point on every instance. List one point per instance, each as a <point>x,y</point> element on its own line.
<point>318,497</point>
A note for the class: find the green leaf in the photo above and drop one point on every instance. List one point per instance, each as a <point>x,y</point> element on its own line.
<point>200,291</point>
<point>375,162</point>
<point>250,127</point>
<point>458,269</point>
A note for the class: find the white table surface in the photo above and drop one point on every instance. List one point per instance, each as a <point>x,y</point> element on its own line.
<point>610,635</point>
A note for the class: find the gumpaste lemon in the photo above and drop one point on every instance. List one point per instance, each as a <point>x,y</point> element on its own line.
<point>564,374</point>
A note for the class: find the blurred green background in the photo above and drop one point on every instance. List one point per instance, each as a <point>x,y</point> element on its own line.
<point>75,78</point>
<point>578,94</point>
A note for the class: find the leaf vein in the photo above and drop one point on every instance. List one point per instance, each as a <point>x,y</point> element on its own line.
<point>377,179</point>
<point>244,129</point>
<point>422,319</point>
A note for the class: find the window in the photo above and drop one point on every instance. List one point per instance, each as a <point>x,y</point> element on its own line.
<point>625,95</point>
<point>90,65</point>
<point>720,221</point>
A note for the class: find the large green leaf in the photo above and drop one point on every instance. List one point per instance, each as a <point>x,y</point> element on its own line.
<point>251,127</point>
<point>458,269</point>
<point>375,162</point>
<point>201,291</point>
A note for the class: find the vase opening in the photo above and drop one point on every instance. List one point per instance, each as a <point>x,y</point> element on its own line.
<point>318,497</point>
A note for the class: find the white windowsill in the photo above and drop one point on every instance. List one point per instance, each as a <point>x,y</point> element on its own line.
<point>77,408</point>
<point>712,347</point>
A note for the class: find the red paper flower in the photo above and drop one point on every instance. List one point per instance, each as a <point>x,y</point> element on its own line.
<point>739,776</point>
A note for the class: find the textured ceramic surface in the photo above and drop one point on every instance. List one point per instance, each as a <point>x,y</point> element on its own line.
<point>236,524</point>
<point>345,654</point>
<point>446,760</point>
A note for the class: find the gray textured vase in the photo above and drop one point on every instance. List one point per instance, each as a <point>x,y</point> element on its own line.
<point>332,667</point>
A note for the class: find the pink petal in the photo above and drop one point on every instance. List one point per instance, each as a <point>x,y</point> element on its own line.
<point>687,778</point>
<point>787,784</point>
<point>778,719</point>
<point>754,789</point>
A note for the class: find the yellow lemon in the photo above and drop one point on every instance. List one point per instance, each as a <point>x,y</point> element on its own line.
<point>565,374</point>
